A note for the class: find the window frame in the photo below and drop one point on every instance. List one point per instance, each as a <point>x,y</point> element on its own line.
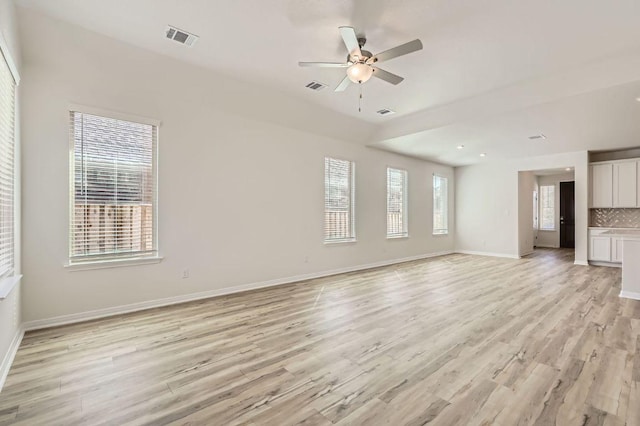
<point>352,203</point>
<point>445,230</point>
<point>541,197</point>
<point>11,277</point>
<point>99,262</point>
<point>405,204</point>
<point>536,210</point>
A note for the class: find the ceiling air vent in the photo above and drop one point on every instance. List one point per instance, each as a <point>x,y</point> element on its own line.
<point>385,111</point>
<point>540,136</point>
<point>314,85</point>
<point>180,36</point>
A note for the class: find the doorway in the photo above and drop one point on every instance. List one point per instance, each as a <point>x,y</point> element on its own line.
<point>546,209</point>
<point>567,215</point>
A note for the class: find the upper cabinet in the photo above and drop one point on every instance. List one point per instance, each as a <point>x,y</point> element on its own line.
<point>615,184</point>
<point>625,184</point>
<point>602,185</point>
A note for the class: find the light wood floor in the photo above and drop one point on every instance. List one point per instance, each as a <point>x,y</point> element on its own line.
<point>453,340</point>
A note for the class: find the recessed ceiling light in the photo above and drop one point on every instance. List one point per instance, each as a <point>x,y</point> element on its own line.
<point>460,146</point>
<point>568,169</point>
<point>483,155</point>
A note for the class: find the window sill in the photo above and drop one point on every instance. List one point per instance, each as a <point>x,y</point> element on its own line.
<point>547,230</point>
<point>397,237</point>
<point>440,233</point>
<point>7,284</point>
<point>346,240</point>
<point>117,263</point>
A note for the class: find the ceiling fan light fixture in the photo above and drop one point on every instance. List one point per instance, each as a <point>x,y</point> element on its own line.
<point>361,64</point>
<point>359,72</point>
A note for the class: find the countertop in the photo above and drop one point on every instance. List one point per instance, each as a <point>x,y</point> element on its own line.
<point>624,233</point>
<point>612,229</point>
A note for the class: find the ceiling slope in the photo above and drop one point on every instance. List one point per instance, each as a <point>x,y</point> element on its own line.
<point>483,61</point>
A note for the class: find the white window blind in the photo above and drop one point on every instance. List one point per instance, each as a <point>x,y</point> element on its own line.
<point>535,209</point>
<point>440,205</point>
<point>7,172</point>
<point>396,203</point>
<point>339,200</point>
<point>113,190</point>
<point>547,207</point>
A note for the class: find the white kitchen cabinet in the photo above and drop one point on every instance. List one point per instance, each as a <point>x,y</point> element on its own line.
<point>637,183</point>
<point>616,249</point>
<point>604,247</point>
<point>602,185</point>
<point>625,184</point>
<point>600,248</point>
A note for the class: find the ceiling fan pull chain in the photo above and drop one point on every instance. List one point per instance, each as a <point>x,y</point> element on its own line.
<point>360,99</point>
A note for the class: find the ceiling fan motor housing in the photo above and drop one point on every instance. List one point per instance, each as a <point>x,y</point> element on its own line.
<point>363,58</point>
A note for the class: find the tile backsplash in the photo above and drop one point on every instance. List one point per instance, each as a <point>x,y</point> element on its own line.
<point>615,218</point>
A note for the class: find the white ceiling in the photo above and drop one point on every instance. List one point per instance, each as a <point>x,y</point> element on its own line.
<point>599,120</point>
<point>554,172</point>
<point>485,77</point>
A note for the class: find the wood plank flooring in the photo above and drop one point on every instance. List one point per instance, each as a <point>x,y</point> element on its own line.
<point>452,340</point>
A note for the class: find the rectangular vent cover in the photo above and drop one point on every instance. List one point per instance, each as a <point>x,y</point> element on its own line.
<point>181,36</point>
<point>540,136</point>
<point>385,111</point>
<point>314,85</point>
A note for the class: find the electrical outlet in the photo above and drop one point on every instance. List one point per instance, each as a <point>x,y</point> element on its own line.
<point>185,273</point>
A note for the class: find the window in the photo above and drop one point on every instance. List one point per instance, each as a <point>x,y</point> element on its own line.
<point>535,209</point>
<point>113,189</point>
<point>7,171</point>
<point>339,223</point>
<point>440,206</point>
<point>396,203</point>
<point>547,207</point>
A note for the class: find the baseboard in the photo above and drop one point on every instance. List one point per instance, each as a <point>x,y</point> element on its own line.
<point>630,295</point>
<point>526,254</point>
<point>608,264</point>
<point>10,355</point>
<point>484,253</point>
<point>157,303</point>
<point>581,263</point>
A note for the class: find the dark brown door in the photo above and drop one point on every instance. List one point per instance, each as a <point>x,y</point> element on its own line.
<point>567,215</point>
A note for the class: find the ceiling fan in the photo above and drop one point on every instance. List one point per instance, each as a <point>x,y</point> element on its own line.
<point>360,63</point>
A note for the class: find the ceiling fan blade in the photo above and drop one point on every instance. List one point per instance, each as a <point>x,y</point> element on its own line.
<point>351,41</point>
<point>343,85</point>
<point>323,64</point>
<point>403,49</point>
<point>387,76</point>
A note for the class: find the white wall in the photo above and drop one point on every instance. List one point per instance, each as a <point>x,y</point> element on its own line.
<point>487,203</point>
<point>241,196</point>
<point>552,238</point>
<point>487,209</point>
<point>526,236</point>
<point>10,307</point>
